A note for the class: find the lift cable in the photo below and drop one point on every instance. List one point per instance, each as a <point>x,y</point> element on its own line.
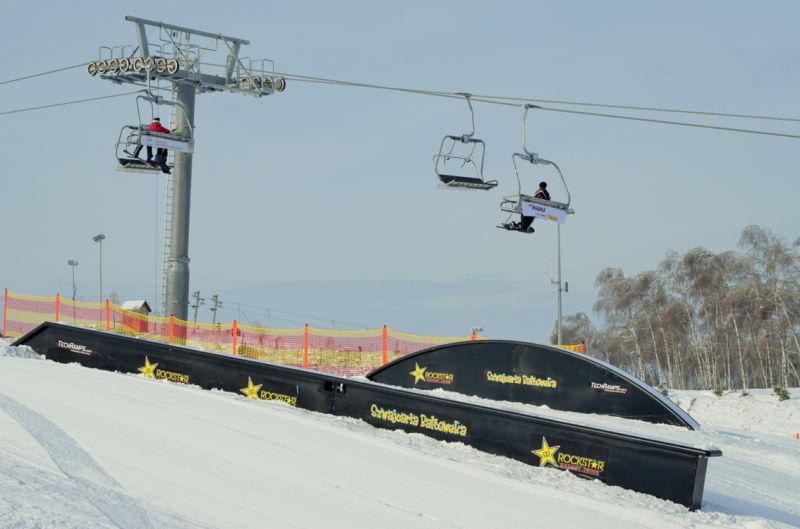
<point>310,79</point>
<point>520,100</point>
<point>83,64</point>
<point>499,101</point>
<point>646,109</point>
<point>64,103</point>
<point>496,100</point>
<point>668,122</point>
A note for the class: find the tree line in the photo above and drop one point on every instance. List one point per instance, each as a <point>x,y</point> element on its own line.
<point>702,320</point>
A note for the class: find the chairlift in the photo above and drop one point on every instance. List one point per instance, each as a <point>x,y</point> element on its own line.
<point>127,142</point>
<point>527,205</point>
<point>133,137</point>
<point>459,162</point>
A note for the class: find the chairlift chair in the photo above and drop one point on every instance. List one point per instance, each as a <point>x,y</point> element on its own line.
<point>527,205</point>
<point>132,136</point>
<point>459,162</point>
<point>129,139</point>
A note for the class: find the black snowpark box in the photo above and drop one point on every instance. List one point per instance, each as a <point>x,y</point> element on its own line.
<point>667,470</point>
<point>533,374</point>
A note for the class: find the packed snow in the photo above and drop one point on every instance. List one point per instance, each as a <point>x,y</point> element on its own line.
<point>83,448</point>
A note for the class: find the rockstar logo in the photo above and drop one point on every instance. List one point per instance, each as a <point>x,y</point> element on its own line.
<point>149,369</point>
<point>418,373</point>
<point>251,391</point>
<point>546,453</point>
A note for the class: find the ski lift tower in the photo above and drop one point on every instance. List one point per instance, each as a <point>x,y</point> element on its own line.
<point>179,56</point>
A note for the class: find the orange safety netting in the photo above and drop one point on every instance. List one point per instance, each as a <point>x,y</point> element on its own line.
<point>577,347</point>
<point>343,352</point>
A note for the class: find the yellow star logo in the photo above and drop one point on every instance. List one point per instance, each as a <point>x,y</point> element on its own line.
<point>546,453</point>
<point>251,391</point>
<point>418,373</point>
<point>149,369</point>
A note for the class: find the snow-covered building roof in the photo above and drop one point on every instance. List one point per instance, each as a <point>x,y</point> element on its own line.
<point>137,305</point>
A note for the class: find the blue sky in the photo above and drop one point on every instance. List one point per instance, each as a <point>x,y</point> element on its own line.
<point>321,201</point>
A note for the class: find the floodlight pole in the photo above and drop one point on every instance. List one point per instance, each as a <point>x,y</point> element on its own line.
<point>177,299</point>
<point>73,263</point>
<point>99,239</point>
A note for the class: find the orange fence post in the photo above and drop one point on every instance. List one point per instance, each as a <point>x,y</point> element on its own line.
<point>384,345</point>
<point>108,315</point>
<point>171,328</point>
<point>58,302</point>
<point>305,346</point>
<point>5,309</point>
<point>234,332</point>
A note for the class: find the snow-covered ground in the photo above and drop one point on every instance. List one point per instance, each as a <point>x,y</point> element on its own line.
<point>82,448</point>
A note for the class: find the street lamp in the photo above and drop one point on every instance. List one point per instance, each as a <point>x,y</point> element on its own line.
<point>561,287</point>
<point>73,264</point>
<point>99,239</point>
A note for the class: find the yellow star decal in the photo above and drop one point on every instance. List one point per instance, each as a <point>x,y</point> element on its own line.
<point>149,369</point>
<point>418,373</point>
<point>546,453</point>
<point>251,391</point>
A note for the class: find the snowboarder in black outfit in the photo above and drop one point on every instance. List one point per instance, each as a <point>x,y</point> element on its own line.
<point>525,222</point>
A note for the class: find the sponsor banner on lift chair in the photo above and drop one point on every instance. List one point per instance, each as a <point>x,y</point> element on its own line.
<point>162,141</point>
<point>542,211</point>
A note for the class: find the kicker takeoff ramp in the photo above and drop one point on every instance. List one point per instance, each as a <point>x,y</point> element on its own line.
<point>533,374</point>
<point>664,469</point>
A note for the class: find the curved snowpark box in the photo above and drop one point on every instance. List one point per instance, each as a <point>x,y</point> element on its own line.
<point>533,374</point>
<point>672,470</point>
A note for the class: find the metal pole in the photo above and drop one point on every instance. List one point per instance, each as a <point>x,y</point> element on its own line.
<point>73,263</point>
<point>99,239</point>
<point>197,302</point>
<point>178,264</point>
<point>216,305</point>
<point>558,324</point>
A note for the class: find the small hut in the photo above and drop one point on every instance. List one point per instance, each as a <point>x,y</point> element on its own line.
<point>134,315</point>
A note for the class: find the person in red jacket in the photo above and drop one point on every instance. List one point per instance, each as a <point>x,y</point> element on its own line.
<point>161,153</point>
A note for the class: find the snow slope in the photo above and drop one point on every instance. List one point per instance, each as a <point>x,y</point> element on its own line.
<point>81,448</point>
